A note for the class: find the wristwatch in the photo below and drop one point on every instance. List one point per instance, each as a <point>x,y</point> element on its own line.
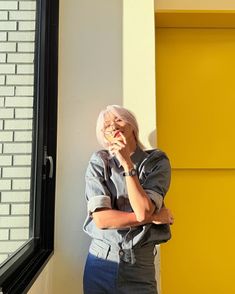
<point>132,172</point>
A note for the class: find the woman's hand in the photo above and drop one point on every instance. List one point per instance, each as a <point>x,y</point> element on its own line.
<point>120,149</point>
<point>163,216</point>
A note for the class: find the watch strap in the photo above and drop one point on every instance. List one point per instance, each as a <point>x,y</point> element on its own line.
<point>132,172</point>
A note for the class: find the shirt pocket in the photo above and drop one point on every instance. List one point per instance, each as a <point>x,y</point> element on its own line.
<point>99,249</point>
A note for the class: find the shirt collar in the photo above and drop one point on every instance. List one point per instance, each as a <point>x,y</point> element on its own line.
<point>138,156</point>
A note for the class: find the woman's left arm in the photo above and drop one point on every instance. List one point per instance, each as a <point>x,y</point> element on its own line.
<point>141,204</point>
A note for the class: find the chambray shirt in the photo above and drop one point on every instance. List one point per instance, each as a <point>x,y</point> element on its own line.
<point>106,188</point>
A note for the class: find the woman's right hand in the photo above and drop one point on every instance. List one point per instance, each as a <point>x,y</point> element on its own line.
<point>162,216</point>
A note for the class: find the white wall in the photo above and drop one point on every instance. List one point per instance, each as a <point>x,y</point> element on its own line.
<point>90,77</point>
<point>139,66</point>
<point>90,67</point>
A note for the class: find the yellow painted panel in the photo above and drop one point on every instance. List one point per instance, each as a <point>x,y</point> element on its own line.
<point>200,257</point>
<point>194,5</point>
<point>196,96</point>
<point>195,18</point>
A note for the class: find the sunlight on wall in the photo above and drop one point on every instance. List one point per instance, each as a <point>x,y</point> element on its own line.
<point>139,66</point>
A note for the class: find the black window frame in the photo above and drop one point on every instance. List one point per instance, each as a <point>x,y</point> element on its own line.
<point>19,272</point>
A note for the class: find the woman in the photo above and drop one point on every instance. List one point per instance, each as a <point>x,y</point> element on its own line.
<point>125,187</point>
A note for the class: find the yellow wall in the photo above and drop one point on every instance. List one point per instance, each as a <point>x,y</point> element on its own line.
<point>195,121</point>
<point>194,4</point>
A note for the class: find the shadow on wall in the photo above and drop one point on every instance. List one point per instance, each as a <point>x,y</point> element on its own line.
<point>152,138</point>
<point>68,273</point>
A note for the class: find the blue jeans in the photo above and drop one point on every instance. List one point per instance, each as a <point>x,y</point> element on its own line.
<point>99,275</point>
<point>112,273</point>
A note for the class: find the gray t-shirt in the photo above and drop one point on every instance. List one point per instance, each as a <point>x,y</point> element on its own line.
<point>106,188</point>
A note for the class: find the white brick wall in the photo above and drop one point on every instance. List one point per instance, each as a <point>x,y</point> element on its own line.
<point>5,185</point>
<point>10,246</point>
<point>26,25</point>
<point>8,5</point>
<point>3,257</point>
<point>17,196</point>
<point>19,209</point>
<point>7,47</point>
<point>21,36</point>
<point>7,25</point>
<point>24,91</point>
<point>6,136</point>
<point>13,148</point>
<point>3,15</point>
<point>23,136</point>
<point>4,234</point>
<point>2,80</point>
<point>3,56</point>
<point>5,91</point>
<point>3,36</point>
<point>24,113</point>
<point>19,184</point>
<point>22,160</point>
<point>22,15</point>
<point>4,209</point>
<point>6,113</point>
<point>26,47</point>
<point>1,101</point>
<point>5,160</point>
<point>14,221</point>
<point>19,101</point>
<point>29,5</point>
<point>24,124</point>
<point>19,234</point>
<point>20,57</point>
<point>17,42</point>
<point>19,80</point>
<point>25,69</point>
<point>16,172</point>
<point>7,68</point>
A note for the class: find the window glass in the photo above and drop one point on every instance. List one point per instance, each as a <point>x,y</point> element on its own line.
<point>17,50</point>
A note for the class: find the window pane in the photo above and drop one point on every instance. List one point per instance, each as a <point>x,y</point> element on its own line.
<point>17,36</point>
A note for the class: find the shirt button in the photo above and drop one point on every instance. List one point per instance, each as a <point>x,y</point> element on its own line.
<point>128,238</point>
<point>121,253</point>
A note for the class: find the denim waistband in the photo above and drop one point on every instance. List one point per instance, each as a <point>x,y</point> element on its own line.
<point>114,253</point>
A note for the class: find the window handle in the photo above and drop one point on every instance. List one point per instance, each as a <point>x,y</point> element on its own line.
<point>50,159</point>
<point>51,171</point>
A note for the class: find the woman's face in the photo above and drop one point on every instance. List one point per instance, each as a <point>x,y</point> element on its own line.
<point>113,125</point>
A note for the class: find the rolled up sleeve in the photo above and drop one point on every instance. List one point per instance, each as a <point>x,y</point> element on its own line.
<point>156,198</point>
<point>99,201</point>
<point>97,193</point>
<point>158,176</point>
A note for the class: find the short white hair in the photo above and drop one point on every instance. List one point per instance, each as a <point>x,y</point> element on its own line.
<point>123,114</point>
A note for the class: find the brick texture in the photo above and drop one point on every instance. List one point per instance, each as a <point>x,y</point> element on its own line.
<point>17,45</point>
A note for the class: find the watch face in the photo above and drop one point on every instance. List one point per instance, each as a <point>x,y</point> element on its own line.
<point>133,172</point>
